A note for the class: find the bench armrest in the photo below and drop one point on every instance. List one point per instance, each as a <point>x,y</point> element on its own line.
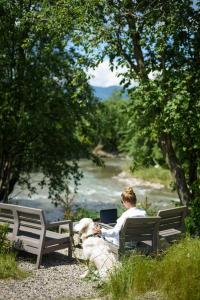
<point>58,223</point>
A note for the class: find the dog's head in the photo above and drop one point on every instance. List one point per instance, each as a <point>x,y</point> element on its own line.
<point>85,227</point>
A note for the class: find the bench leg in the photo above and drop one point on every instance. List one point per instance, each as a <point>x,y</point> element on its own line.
<point>39,260</point>
<point>70,251</point>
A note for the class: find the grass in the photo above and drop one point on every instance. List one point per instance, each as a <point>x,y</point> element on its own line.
<point>80,213</point>
<point>8,264</point>
<point>174,275</point>
<point>155,175</point>
<point>9,267</point>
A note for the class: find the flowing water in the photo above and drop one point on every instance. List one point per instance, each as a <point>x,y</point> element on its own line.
<point>100,188</point>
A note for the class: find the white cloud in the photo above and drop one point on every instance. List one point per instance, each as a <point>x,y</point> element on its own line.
<point>154,75</point>
<point>103,76</point>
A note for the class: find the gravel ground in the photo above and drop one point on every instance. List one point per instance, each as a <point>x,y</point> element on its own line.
<point>58,278</point>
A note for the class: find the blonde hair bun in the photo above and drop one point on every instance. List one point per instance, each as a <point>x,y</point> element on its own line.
<point>129,190</point>
<point>129,195</point>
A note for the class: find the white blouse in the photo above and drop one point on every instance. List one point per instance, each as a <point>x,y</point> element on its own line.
<point>112,235</point>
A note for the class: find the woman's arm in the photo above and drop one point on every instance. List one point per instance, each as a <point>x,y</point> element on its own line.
<point>115,230</point>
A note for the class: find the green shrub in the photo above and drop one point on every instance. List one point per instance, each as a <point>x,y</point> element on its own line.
<point>5,245</point>
<point>147,206</point>
<point>193,220</point>
<point>174,275</point>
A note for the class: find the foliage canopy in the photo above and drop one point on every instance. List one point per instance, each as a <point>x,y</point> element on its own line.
<point>45,99</point>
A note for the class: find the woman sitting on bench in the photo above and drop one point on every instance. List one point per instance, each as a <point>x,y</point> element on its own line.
<point>129,202</point>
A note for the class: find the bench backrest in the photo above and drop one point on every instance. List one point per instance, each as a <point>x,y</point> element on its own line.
<point>22,218</point>
<point>140,229</point>
<point>173,218</point>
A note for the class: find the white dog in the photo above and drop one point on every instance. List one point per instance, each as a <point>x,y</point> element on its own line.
<point>95,249</point>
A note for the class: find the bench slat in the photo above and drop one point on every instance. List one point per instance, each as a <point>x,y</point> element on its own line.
<point>6,211</point>
<point>170,225</point>
<point>172,212</point>
<point>51,242</point>
<point>29,225</point>
<point>141,230</point>
<point>26,216</point>
<point>137,238</point>
<point>169,232</point>
<point>171,219</point>
<point>56,247</point>
<point>6,220</point>
<point>30,241</point>
<point>30,249</point>
<point>6,215</point>
<point>30,229</point>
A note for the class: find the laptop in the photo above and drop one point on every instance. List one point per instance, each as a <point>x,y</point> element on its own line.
<point>108,216</point>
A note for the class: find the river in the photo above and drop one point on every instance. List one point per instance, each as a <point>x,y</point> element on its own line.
<point>100,188</point>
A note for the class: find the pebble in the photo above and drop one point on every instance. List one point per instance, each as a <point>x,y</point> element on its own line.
<point>58,278</point>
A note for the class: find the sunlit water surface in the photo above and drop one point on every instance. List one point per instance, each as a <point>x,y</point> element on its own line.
<point>100,188</point>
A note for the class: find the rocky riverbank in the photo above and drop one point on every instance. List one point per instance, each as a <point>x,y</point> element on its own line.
<point>129,180</point>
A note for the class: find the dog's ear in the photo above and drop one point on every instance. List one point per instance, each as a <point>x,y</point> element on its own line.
<point>82,225</point>
<point>77,228</point>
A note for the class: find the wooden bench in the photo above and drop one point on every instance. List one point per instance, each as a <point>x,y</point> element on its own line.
<point>172,224</point>
<point>28,231</point>
<point>137,233</point>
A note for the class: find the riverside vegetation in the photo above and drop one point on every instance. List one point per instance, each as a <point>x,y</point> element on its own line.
<point>155,175</point>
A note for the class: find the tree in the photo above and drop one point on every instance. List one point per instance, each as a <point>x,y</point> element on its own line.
<point>160,39</point>
<point>111,120</point>
<point>45,100</point>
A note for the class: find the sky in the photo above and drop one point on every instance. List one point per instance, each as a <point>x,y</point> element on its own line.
<point>103,76</point>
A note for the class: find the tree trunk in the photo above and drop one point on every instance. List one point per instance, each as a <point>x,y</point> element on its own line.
<point>175,168</point>
<point>7,178</point>
<point>193,171</point>
<point>5,192</point>
<point>4,179</point>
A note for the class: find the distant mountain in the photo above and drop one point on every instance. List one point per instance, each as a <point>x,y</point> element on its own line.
<point>105,92</point>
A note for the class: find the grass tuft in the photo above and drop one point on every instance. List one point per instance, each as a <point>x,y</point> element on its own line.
<point>9,267</point>
<point>174,275</point>
<point>180,280</point>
